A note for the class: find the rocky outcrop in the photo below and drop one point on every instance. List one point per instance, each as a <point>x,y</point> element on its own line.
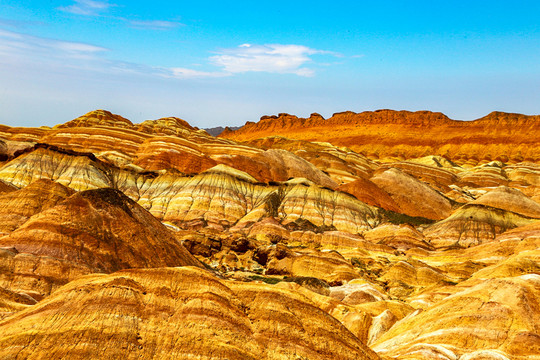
<point>218,197</point>
<point>11,302</point>
<point>163,144</point>
<point>434,174</point>
<point>511,200</point>
<point>102,229</point>
<point>165,126</point>
<point>487,175</point>
<point>98,118</point>
<point>524,173</point>
<point>341,164</point>
<point>158,153</point>
<point>405,278</point>
<point>35,277</point>
<point>400,237</point>
<point>215,131</point>
<point>331,267</point>
<point>78,171</point>
<point>367,191</point>
<point>6,187</point>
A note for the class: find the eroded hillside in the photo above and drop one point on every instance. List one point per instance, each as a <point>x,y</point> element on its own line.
<point>157,240</point>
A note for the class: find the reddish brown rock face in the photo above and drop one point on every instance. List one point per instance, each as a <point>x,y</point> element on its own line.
<point>158,153</point>
<point>412,196</point>
<point>406,135</point>
<point>368,192</point>
<point>156,240</point>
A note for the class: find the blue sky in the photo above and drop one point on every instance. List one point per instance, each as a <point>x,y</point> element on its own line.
<point>224,63</point>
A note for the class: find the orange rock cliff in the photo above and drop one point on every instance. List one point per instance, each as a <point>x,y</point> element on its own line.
<point>404,135</point>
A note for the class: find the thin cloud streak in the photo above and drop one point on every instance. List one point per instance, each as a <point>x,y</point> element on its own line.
<point>28,45</point>
<point>184,73</point>
<point>87,7</point>
<point>19,24</point>
<point>154,24</point>
<point>100,8</point>
<point>22,51</point>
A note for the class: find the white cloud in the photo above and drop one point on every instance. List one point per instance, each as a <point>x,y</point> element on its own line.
<point>184,73</point>
<point>87,7</point>
<point>272,58</point>
<point>154,24</point>
<point>22,51</point>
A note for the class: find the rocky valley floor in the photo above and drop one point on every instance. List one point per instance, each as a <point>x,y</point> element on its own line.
<point>159,241</point>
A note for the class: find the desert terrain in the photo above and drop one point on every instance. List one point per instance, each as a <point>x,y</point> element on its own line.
<point>375,235</point>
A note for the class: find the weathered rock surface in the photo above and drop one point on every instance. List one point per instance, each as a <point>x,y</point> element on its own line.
<point>11,302</point>
<point>101,229</point>
<point>17,207</point>
<point>98,118</point>
<point>92,231</point>
<point>400,237</point>
<point>366,191</point>
<point>412,196</point>
<point>472,225</point>
<point>511,200</point>
<point>496,315</point>
<point>487,175</point>
<point>434,174</point>
<point>172,313</point>
<point>218,196</point>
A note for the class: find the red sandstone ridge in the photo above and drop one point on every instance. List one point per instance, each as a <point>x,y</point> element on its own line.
<point>389,134</point>
<point>287,121</point>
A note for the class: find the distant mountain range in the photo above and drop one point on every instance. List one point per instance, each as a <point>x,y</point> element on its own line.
<point>215,131</point>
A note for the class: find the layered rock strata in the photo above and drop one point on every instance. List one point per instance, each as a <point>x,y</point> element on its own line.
<point>405,135</point>
<point>311,250</point>
<point>172,313</point>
